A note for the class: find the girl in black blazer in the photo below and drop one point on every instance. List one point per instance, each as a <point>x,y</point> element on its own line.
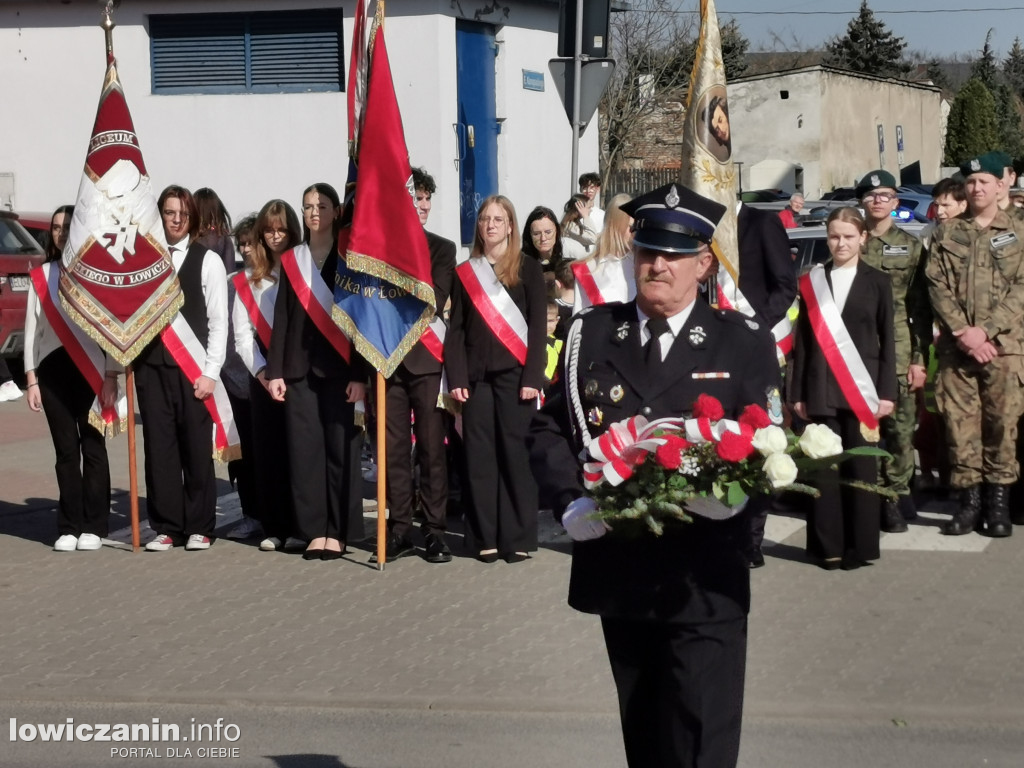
<point>319,389</point>
<point>498,393</point>
<point>843,527</point>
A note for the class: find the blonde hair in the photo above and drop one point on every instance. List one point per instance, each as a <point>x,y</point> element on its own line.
<point>615,239</point>
<point>507,269</point>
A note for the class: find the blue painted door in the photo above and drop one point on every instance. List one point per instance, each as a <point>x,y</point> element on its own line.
<point>477,127</point>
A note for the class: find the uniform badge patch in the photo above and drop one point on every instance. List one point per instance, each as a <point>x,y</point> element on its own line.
<point>1001,241</point>
<point>975,165</point>
<point>595,416</point>
<point>616,393</point>
<point>591,388</point>
<point>774,405</point>
<point>895,250</point>
<point>622,332</point>
<point>875,181</point>
<point>752,325</point>
<point>672,198</point>
<point>697,335</point>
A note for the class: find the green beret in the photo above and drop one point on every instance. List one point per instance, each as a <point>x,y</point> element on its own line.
<point>990,163</point>
<point>874,180</point>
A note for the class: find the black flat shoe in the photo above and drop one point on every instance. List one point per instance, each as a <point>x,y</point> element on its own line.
<point>331,554</point>
<point>830,563</point>
<point>313,554</point>
<point>487,557</point>
<point>516,557</point>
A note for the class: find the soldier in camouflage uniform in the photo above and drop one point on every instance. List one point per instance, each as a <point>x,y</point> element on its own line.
<point>900,256</point>
<point>976,273</point>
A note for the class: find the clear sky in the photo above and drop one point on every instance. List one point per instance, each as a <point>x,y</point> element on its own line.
<point>938,27</point>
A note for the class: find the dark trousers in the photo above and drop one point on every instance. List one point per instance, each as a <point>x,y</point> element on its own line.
<point>417,393</point>
<point>181,488</point>
<point>842,519</point>
<point>83,474</point>
<point>271,465</point>
<point>320,429</point>
<point>242,470</point>
<point>680,690</point>
<point>503,510</point>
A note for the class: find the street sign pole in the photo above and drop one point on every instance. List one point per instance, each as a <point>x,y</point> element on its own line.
<point>577,77</point>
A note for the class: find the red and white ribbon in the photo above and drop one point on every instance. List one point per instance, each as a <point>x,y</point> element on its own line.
<point>190,355</point>
<point>492,301</point>
<point>838,348</point>
<point>433,338</point>
<point>603,281</point>
<point>260,310</point>
<point>315,296</point>
<point>84,352</point>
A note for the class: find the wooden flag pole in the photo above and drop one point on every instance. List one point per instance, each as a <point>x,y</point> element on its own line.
<point>133,470</point>
<point>382,453</point>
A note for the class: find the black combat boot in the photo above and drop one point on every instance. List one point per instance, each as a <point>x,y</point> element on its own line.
<point>1017,509</point>
<point>997,512</point>
<point>892,520</point>
<point>965,519</point>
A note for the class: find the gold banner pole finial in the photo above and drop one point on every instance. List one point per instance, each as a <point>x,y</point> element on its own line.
<point>108,23</point>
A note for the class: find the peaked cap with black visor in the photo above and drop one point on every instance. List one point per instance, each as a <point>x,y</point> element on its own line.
<point>673,219</point>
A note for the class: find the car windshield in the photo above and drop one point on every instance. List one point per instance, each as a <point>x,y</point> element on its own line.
<point>14,238</point>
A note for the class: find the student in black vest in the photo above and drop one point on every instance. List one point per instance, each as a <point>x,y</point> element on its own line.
<point>319,389</point>
<point>181,492</point>
<point>843,527</point>
<point>499,392</point>
<point>415,387</point>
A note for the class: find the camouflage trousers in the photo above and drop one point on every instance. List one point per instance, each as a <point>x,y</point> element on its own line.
<point>898,434</point>
<point>980,405</point>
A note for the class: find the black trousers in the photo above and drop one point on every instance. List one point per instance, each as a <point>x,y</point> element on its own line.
<point>242,470</point>
<point>842,519</point>
<point>503,509</point>
<point>417,393</point>
<point>271,464</point>
<point>181,488</point>
<point>83,472</point>
<point>320,437</point>
<point>680,690</point>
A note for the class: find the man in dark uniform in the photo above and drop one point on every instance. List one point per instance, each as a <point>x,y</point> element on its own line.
<point>415,386</point>
<point>673,608</point>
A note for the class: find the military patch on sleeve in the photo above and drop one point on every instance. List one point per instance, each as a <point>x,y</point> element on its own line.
<point>774,405</point>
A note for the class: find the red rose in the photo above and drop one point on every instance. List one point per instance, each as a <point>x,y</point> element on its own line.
<point>670,455</point>
<point>755,416</point>
<point>734,448</point>
<point>707,407</point>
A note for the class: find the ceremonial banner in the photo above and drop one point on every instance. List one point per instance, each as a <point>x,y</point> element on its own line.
<point>707,166</point>
<point>383,294</point>
<point>118,283</point>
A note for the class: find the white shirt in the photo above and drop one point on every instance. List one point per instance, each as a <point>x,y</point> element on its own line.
<point>597,216</point>
<point>675,327</point>
<point>215,294</point>
<point>245,334</point>
<point>617,278</point>
<point>842,279</point>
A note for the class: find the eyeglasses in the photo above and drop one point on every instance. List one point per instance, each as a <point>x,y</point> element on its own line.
<point>275,232</point>
<point>879,197</point>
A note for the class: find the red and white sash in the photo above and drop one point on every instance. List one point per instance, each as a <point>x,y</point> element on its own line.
<point>85,353</point>
<point>730,297</point>
<point>433,338</point>
<point>260,311</point>
<point>190,355</point>
<point>604,281</point>
<point>840,352</point>
<point>315,296</point>
<point>492,301</point>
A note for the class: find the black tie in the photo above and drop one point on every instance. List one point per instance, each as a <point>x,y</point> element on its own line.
<point>653,353</point>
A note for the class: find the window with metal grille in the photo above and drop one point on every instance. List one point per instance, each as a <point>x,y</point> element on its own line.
<point>259,52</point>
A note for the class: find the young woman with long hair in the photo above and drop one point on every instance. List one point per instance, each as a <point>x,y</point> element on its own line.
<point>607,274</point>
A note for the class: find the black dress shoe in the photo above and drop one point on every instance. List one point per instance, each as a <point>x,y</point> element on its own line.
<point>313,554</point>
<point>437,551</point>
<point>487,557</point>
<point>755,558</point>
<point>331,554</point>
<point>516,557</point>
<point>394,548</point>
<point>830,563</point>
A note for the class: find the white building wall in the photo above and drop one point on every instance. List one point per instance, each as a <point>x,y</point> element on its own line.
<point>254,147</point>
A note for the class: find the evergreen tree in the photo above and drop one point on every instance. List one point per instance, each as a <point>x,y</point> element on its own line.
<point>1011,136</point>
<point>1013,68</point>
<point>868,47</point>
<point>734,56</point>
<point>984,69</point>
<point>972,127</point>
<point>938,75</point>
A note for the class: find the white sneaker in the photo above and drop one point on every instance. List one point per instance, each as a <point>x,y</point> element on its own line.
<point>270,544</point>
<point>9,391</point>
<point>66,543</point>
<point>197,541</point>
<point>246,529</point>
<point>161,543</point>
<point>89,542</point>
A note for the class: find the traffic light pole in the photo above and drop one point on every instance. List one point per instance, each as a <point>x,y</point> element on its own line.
<point>577,81</point>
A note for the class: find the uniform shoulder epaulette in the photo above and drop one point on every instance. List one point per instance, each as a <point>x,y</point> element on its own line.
<point>738,318</point>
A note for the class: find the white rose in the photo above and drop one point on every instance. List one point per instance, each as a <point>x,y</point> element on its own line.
<point>770,440</point>
<point>819,442</point>
<point>780,469</point>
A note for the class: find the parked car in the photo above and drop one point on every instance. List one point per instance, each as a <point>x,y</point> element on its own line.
<point>809,245</point>
<point>38,225</point>
<point>19,253</point>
